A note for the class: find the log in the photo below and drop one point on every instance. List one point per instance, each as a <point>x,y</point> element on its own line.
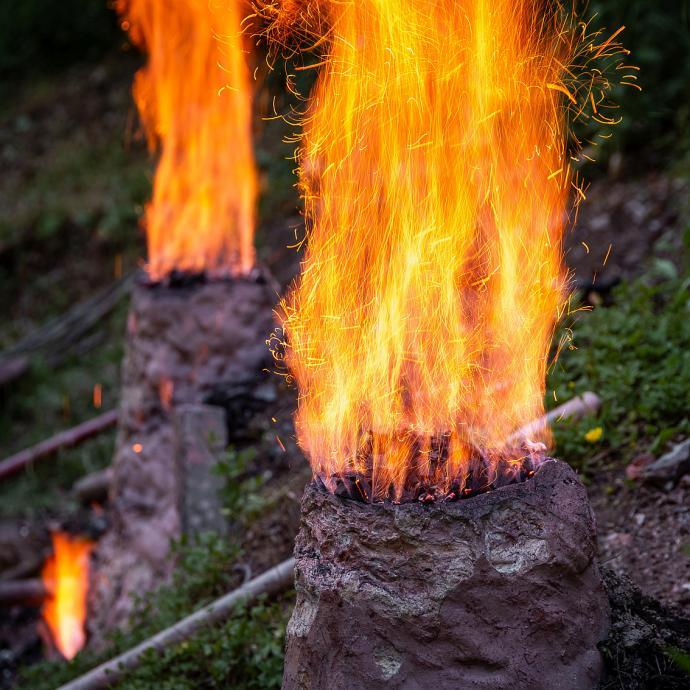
<point>501,591</point>
<point>573,409</point>
<point>27,592</point>
<point>65,439</point>
<point>273,581</point>
<point>94,487</point>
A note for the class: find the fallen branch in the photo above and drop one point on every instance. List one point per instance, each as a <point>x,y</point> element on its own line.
<point>29,592</point>
<point>273,581</point>
<point>94,487</point>
<point>586,403</point>
<point>65,439</point>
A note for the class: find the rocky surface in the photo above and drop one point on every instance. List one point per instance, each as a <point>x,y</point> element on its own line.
<point>643,638</point>
<point>498,591</point>
<point>644,533</point>
<point>181,343</point>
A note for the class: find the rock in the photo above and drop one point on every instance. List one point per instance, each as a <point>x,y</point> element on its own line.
<point>178,350</point>
<point>642,633</point>
<point>669,468</point>
<point>636,469</point>
<point>201,439</point>
<point>498,591</point>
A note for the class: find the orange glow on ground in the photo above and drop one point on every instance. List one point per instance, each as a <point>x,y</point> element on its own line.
<point>66,577</point>
<point>194,98</point>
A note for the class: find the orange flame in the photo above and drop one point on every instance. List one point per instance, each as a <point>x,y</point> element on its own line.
<point>66,577</point>
<point>436,182</point>
<point>194,98</point>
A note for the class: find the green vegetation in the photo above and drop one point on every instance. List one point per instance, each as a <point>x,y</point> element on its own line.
<point>48,400</point>
<point>241,494</point>
<point>245,653</point>
<point>635,356</point>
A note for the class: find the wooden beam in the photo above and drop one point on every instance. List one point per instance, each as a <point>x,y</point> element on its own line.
<point>65,439</point>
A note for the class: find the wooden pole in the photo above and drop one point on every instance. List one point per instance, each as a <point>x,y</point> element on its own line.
<point>587,403</point>
<point>273,581</point>
<point>13,592</point>
<point>65,439</point>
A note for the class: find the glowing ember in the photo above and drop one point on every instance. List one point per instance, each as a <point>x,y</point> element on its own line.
<point>436,179</point>
<point>66,577</point>
<point>195,101</point>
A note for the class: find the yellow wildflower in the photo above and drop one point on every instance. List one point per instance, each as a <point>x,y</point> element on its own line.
<point>593,435</point>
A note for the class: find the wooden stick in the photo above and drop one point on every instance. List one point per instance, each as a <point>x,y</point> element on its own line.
<point>573,409</point>
<point>14,592</point>
<point>273,581</point>
<point>65,439</point>
<point>94,487</point>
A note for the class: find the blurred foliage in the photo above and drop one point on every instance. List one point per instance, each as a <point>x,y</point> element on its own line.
<point>658,35</point>
<point>634,355</point>
<point>245,652</point>
<point>43,35</point>
<point>82,184</point>
<point>241,493</point>
<point>681,659</point>
<point>46,401</point>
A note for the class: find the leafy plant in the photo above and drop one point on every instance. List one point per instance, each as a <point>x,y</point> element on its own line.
<point>44,34</point>
<point>634,355</point>
<point>242,500</point>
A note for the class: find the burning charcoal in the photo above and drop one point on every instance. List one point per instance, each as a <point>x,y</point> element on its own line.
<point>352,485</point>
<point>425,496</point>
<point>184,279</point>
<point>499,591</point>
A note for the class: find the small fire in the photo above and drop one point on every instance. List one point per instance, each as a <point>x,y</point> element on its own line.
<point>66,578</point>
<point>194,98</point>
<point>436,173</point>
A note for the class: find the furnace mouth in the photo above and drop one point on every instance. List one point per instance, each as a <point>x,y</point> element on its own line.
<point>482,477</point>
<point>186,280</point>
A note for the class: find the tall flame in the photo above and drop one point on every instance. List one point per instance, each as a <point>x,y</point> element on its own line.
<point>194,98</point>
<point>436,182</point>
<point>66,578</point>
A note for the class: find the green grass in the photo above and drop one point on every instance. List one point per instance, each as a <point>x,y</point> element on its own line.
<point>635,356</point>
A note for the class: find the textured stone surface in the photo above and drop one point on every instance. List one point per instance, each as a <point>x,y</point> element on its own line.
<point>498,591</point>
<point>643,632</point>
<point>181,343</point>
<point>201,439</point>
